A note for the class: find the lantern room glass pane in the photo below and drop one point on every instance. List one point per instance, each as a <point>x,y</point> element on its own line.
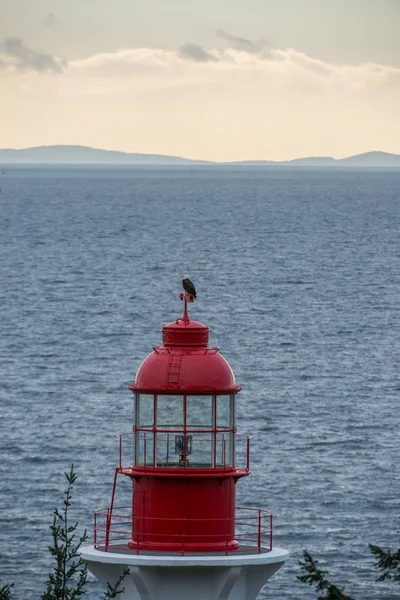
<point>199,412</point>
<point>145,411</point>
<point>165,450</point>
<point>170,412</point>
<point>144,449</point>
<point>225,416</point>
<point>224,449</point>
<point>200,450</point>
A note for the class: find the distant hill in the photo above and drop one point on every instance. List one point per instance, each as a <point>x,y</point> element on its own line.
<point>368,159</point>
<point>84,155</point>
<point>372,159</point>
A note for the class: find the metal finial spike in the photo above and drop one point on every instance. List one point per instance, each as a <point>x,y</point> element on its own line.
<point>185,299</point>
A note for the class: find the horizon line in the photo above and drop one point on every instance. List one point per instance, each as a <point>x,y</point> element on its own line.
<point>184,158</point>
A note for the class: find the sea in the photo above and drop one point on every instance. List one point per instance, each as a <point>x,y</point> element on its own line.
<point>297,272</point>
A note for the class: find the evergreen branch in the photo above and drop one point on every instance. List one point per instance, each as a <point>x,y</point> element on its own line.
<point>68,579</point>
<point>387,561</point>
<point>5,591</point>
<point>64,535</point>
<point>315,576</point>
<point>112,591</point>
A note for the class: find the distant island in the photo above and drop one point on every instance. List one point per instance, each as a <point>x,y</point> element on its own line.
<point>84,155</point>
<point>77,155</point>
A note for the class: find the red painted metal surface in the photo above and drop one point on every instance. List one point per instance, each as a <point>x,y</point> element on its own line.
<point>252,526</point>
<point>201,368</point>
<point>200,509</point>
<point>183,452</point>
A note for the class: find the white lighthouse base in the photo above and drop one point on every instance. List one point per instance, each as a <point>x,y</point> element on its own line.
<point>195,577</point>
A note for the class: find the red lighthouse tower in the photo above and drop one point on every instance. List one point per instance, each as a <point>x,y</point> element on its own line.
<point>184,473</point>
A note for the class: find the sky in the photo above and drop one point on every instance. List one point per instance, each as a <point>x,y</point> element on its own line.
<point>210,79</point>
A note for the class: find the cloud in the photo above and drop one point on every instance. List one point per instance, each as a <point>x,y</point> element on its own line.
<point>196,53</point>
<point>237,42</point>
<point>25,58</point>
<point>242,43</point>
<point>50,19</point>
<point>240,104</point>
<point>194,63</point>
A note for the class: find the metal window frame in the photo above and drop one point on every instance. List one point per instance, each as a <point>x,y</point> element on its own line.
<point>214,431</point>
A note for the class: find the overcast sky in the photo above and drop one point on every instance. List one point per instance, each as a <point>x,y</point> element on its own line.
<point>211,79</point>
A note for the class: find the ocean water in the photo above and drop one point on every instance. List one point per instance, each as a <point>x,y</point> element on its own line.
<point>298,277</point>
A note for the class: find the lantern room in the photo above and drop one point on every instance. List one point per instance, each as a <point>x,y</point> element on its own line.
<point>184,430</point>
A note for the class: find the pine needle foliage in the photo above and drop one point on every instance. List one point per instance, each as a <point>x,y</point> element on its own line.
<point>112,591</point>
<point>5,592</point>
<point>315,576</point>
<point>68,579</point>
<point>388,562</point>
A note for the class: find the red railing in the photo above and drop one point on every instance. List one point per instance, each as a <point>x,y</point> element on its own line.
<point>155,449</point>
<point>253,530</point>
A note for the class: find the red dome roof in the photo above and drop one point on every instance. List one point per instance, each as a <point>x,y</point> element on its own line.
<point>185,363</point>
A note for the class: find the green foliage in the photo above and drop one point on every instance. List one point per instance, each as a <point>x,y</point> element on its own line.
<point>388,562</point>
<point>315,576</point>
<point>68,579</point>
<point>112,591</point>
<point>5,592</point>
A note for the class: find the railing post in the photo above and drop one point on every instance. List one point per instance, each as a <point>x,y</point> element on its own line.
<point>167,449</point>
<point>270,531</point>
<point>107,529</point>
<point>95,529</point>
<point>145,451</point>
<point>259,531</point>
<point>120,451</point>
<point>248,455</point>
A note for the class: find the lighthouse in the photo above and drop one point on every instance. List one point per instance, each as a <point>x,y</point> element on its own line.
<point>182,537</point>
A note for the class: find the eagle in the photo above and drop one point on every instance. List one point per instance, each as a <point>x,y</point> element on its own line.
<point>188,286</point>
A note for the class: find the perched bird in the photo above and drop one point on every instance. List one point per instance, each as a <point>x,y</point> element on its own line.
<point>188,286</point>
